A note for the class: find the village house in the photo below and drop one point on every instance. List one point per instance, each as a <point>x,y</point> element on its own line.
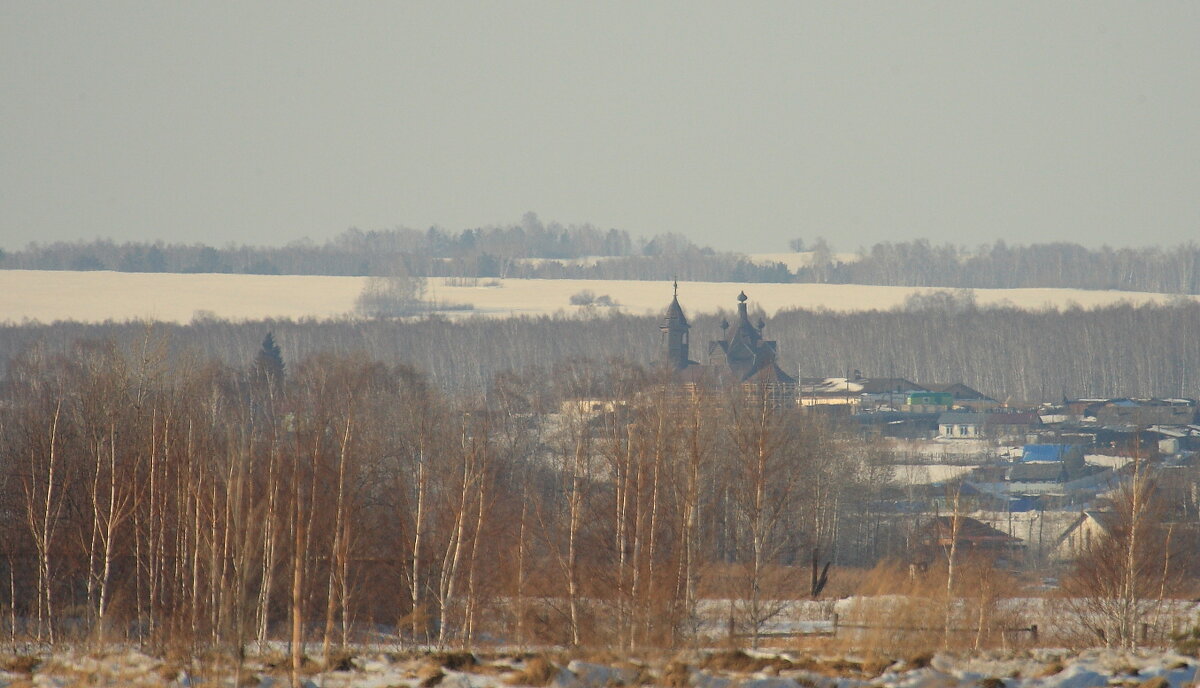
<point>961,425</point>
<point>970,538</point>
<point>1134,412</point>
<point>1078,538</point>
<point>1011,425</point>
<point>964,397</point>
<point>830,393</point>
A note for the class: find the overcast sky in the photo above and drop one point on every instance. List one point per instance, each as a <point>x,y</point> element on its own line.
<point>740,125</point>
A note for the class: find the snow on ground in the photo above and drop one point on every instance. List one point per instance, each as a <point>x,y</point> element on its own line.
<point>46,296</point>
<point>377,668</point>
<point>950,450</point>
<point>927,474</point>
<point>1114,462</point>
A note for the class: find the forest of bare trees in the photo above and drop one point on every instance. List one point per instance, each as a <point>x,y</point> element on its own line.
<point>335,498</point>
<point>1007,353</point>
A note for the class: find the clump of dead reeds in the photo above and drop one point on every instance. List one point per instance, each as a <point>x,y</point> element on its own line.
<point>737,661</point>
<point>429,675</point>
<point>20,664</point>
<point>1054,667</point>
<point>675,675</point>
<point>456,661</point>
<point>537,671</point>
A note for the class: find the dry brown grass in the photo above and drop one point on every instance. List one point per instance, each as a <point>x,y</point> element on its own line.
<point>877,664</point>
<point>20,664</point>
<point>1054,667</point>
<point>737,661</point>
<point>640,674</point>
<point>538,671</point>
<point>840,667</point>
<point>169,671</point>
<point>592,656</point>
<point>919,660</point>
<point>903,610</point>
<point>675,675</point>
<point>310,666</point>
<point>456,661</point>
<point>429,675</point>
<point>492,668</point>
<point>275,662</point>
<point>340,660</point>
<point>1124,669</point>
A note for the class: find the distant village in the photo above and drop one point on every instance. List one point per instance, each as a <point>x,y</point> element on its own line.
<point>1035,477</point>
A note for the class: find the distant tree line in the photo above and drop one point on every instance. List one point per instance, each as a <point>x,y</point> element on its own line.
<point>1170,270</point>
<point>533,249</point>
<point>529,250</point>
<point>481,251</point>
<point>1005,352</point>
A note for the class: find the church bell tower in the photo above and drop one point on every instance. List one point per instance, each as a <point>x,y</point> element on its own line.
<point>675,335</point>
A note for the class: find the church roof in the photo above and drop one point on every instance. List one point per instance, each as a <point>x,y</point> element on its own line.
<point>674,316</point>
<point>675,313</point>
<point>748,356</point>
<point>770,372</point>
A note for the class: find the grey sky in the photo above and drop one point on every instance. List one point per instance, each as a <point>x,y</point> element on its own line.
<point>738,124</point>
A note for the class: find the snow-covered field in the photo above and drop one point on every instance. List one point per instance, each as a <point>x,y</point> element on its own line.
<point>47,296</point>
<point>379,668</point>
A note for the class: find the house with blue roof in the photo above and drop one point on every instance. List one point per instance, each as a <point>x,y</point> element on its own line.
<point>1046,453</point>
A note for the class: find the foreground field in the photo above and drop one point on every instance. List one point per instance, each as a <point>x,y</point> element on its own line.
<point>379,668</point>
<point>48,296</point>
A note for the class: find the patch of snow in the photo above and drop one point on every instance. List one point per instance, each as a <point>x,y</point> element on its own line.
<point>927,474</point>
<point>601,675</point>
<point>770,682</point>
<point>1114,462</point>
<point>703,679</point>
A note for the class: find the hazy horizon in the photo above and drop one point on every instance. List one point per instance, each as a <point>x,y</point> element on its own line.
<point>739,126</point>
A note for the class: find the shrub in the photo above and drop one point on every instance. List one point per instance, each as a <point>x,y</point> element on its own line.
<point>588,298</point>
<point>456,661</point>
<point>393,295</point>
<point>676,675</point>
<point>1188,642</point>
<point>583,298</point>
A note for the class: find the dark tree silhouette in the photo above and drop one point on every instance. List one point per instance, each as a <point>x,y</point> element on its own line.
<point>268,364</point>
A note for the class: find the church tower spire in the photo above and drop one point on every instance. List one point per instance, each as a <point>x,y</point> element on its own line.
<point>675,334</point>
